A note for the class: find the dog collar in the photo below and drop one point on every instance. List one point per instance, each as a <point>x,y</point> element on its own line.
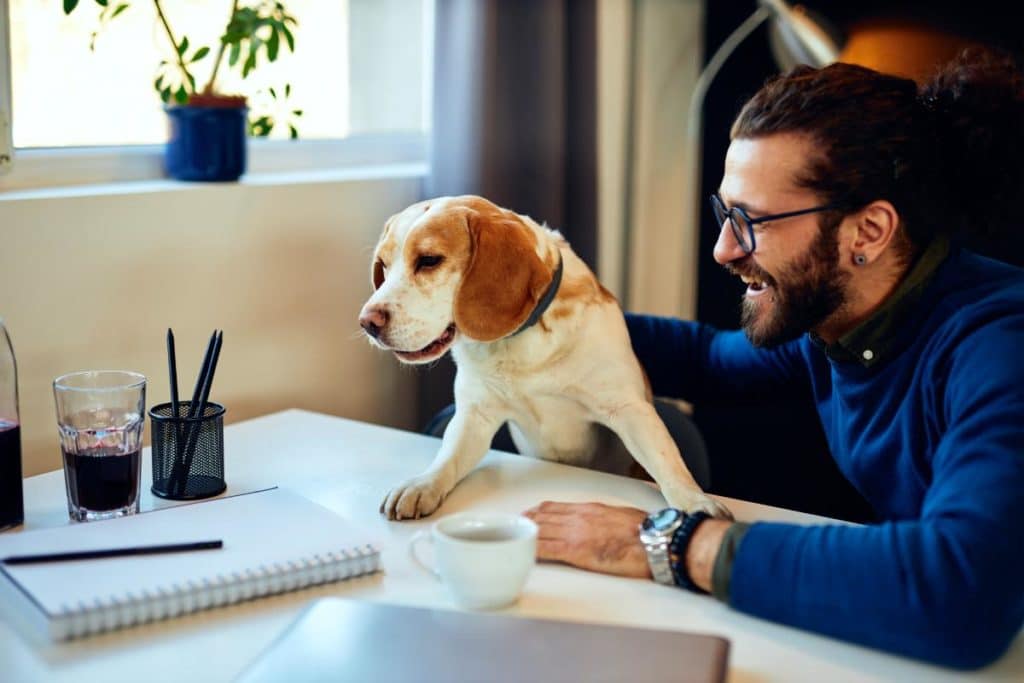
<point>545,301</point>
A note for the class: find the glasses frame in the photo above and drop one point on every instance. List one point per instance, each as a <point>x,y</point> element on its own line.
<point>718,209</point>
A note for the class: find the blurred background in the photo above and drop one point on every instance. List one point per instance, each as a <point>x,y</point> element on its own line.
<point>580,113</point>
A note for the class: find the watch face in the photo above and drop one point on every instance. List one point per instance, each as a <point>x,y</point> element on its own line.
<point>663,520</point>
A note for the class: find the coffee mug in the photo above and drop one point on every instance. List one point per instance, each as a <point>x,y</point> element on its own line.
<point>483,559</point>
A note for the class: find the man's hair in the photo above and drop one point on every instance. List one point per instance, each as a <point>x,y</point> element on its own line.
<point>949,154</point>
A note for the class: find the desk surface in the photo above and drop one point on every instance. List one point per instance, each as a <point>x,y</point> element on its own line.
<point>347,466</point>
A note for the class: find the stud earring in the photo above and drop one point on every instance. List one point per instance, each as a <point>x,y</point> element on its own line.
<point>860,259</point>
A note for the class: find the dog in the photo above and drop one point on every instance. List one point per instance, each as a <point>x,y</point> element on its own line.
<point>537,342</point>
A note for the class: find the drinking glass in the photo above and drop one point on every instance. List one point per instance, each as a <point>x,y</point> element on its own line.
<point>12,509</point>
<point>100,421</point>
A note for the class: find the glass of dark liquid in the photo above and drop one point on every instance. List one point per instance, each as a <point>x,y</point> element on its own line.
<point>100,421</point>
<point>12,509</point>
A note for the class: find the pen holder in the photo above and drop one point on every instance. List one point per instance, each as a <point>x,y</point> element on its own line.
<point>188,453</point>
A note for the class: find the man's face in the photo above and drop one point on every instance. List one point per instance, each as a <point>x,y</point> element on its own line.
<point>794,281</point>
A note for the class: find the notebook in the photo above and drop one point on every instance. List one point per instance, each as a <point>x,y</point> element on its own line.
<point>274,541</point>
<point>336,639</point>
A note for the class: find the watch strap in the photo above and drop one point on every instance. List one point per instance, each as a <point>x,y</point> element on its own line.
<point>660,562</point>
<point>680,542</point>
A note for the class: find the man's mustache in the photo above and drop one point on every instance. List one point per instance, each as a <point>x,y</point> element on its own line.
<point>749,270</point>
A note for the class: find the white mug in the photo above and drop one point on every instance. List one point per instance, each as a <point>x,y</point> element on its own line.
<point>482,558</point>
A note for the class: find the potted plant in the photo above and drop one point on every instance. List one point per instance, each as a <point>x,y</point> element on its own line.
<point>208,128</point>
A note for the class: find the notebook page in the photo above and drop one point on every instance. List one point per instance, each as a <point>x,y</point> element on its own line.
<point>275,530</point>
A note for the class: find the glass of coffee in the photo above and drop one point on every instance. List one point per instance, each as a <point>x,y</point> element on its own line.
<point>100,421</point>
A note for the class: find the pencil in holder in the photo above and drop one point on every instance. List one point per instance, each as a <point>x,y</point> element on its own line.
<point>188,453</point>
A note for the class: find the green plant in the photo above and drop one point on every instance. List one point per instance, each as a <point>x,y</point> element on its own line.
<point>254,32</point>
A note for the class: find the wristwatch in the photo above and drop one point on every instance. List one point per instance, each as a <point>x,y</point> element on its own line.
<point>656,533</point>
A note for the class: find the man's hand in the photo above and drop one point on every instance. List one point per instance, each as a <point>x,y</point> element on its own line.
<point>606,539</point>
<point>591,536</point>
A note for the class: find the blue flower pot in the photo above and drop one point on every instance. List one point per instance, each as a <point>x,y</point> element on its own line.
<point>206,143</point>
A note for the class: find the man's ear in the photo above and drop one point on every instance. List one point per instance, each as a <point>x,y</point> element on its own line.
<point>873,229</point>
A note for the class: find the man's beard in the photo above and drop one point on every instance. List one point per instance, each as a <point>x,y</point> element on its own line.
<point>805,294</point>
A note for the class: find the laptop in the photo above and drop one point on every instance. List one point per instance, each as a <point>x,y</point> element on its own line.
<point>335,639</point>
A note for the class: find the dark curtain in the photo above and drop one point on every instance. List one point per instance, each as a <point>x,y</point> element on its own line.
<point>514,120</point>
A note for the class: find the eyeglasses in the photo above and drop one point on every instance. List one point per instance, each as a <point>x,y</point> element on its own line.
<point>742,225</point>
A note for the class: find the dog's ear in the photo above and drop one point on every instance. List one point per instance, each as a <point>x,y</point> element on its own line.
<point>505,277</point>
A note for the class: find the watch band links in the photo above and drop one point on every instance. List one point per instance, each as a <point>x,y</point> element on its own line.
<point>659,562</point>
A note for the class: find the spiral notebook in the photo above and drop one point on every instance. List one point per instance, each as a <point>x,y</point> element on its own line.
<point>275,541</point>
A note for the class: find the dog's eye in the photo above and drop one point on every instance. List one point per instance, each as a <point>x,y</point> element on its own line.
<point>428,261</point>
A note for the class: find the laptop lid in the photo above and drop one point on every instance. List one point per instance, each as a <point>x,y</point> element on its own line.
<point>347,640</point>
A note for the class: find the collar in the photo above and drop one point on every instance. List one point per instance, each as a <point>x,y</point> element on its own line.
<point>875,338</point>
<point>545,301</point>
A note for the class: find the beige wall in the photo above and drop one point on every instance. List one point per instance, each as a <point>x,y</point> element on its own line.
<point>93,281</point>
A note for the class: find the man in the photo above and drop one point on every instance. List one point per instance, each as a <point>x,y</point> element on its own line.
<point>845,203</point>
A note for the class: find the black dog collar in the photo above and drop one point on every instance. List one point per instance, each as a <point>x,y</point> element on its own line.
<point>545,301</point>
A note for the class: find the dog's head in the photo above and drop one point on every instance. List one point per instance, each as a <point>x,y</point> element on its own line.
<point>453,266</point>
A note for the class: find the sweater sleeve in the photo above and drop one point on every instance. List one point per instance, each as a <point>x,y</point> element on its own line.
<point>697,362</point>
<point>948,586</point>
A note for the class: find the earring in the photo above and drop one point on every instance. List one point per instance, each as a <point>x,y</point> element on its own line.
<point>860,259</point>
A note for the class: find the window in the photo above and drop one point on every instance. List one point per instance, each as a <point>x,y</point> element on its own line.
<point>360,70</point>
<point>6,147</point>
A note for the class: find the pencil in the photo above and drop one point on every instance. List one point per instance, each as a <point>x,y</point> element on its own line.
<point>192,440</point>
<point>172,370</point>
<point>114,552</point>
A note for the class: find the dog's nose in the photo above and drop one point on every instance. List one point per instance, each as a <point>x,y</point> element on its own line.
<point>374,320</point>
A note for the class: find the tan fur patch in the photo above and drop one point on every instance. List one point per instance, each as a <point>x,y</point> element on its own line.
<point>444,235</point>
<point>505,277</point>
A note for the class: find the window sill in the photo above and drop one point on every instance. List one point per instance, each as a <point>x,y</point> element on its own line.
<point>128,169</point>
<point>347,174</point>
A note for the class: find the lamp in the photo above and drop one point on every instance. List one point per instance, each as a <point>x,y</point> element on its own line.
<point>796,37</point>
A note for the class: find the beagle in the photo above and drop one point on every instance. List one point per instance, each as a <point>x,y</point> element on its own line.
<point>538,342</point>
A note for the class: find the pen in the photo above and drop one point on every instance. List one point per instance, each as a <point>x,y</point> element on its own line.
<point>114,552</point>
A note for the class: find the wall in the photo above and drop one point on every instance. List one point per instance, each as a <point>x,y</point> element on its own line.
<point>93,280</point>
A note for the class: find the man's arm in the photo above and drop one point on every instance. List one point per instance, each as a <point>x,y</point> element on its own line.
<point>696,362</point>
<point>946,586</point>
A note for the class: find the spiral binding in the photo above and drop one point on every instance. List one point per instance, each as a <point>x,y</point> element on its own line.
<point>119,611</point>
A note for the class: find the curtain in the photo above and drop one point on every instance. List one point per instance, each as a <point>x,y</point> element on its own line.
<point>514,120</point>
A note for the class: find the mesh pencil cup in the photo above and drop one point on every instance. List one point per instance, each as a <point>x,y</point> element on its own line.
<point>188,454</point>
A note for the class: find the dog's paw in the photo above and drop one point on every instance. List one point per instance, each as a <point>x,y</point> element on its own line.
<point>414,498</point>
<point>709,505</point>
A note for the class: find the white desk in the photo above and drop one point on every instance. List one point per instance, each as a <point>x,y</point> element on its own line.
<point>347,466</point>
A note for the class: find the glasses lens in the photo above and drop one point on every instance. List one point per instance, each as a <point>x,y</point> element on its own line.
<point>719,211</point>
<point>741,230</point>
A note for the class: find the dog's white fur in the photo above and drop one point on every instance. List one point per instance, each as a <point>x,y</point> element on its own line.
<point>554,383</point>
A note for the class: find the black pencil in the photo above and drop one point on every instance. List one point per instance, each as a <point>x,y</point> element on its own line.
<point>114,552</point>
<point>195,409</point>
<point>172,369</point>
<point>179,475</point>
<point>207,383</point>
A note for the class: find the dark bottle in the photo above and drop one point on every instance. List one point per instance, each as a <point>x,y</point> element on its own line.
<point>12,508</point>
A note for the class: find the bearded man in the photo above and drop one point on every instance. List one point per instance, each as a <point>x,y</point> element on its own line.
<point>847,203</point>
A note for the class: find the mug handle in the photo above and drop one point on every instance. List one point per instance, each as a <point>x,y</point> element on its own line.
<point>419,536</point>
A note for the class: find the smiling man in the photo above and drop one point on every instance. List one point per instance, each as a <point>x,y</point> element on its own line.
<point>846,205</point>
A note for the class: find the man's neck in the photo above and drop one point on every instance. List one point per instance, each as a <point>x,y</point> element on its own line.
<point>868,288</point>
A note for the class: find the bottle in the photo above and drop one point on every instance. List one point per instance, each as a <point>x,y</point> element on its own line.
<point>12,508</point>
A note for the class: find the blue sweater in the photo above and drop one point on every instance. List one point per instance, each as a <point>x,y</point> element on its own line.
<point>932,436</point>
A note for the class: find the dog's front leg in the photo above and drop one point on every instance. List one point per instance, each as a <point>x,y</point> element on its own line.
<point>650,444</point>
<point>465,442</point>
